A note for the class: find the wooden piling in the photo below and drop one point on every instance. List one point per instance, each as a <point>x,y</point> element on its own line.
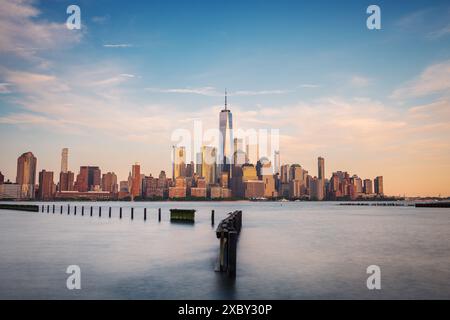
<point>212,217</point>
<point>68,209</point>
<point>82,210</point>
<point>159,214</point>
<point>48,208</point>
<point>42,209</point>
<point>60,211</point>
<point>100,212</point>
<point>132,213</point>
<point>75,210</point>
<point>120,215</point>
<point>232,254</point>
<point>91,210</point>
<point>145,214</point>
<point>228,231</point>
<point>53,208</point>
<point>109,212</point>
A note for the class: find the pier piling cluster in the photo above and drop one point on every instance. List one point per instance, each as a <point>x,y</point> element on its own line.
<point>228,231</point>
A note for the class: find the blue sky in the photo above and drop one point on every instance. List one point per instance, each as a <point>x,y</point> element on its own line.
<point>115,90</point>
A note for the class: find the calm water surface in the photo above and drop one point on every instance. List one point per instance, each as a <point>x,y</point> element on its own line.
<point>295,250</point>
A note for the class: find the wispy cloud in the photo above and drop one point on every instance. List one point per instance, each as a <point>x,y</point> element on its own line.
<point>444,31</point>
<point>308,85</point>
<point>5,88</point>
<point>213,92</point>
<point>204,91</point>
<point>118,45</point>
<point>434,79</point>
<point>24,35</point>
<point>360,81</point>
<point>258,93</point>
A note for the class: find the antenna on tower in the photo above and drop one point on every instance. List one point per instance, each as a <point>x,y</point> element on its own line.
<point>225,98</point>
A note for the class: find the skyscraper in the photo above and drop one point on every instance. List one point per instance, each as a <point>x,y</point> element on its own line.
<point>368,186</point>
<point>226,142</point>
<point>179,162</point>
<point>378,184</point>
<point>321,168</point>
<point>66,181</point>
<point>46,185</point>
<point>135,180</point>
<point>209,163</point>
<point>109,182</point>
<point>89,179</point>
<point>276,162</point>
<point>64,160</point>
<point>26,174</point>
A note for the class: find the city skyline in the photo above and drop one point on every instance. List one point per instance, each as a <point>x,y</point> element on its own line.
<point>373,102</point>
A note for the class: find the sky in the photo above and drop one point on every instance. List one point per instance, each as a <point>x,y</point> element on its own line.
<point>371,102</point>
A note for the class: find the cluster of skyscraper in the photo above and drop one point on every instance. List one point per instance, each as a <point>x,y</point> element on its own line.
<point>218,173</point>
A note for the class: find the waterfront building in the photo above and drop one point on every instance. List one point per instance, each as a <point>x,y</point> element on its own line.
<point>253,189</point>
<point>26,174</point>
<point>109,182</point>
<point>368,189</point>
<point>378,184</point>
<point>135,180</point>
<point>10,191</point>
<point>88,179</point>
<point>47,187</point>
<point>66,181</point>
<point>179,190</point>
<point>317,189</point>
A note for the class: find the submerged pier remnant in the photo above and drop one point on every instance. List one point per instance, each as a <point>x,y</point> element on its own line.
<point>21,207</point>
<point>182,215</point>
<point>228,231</point>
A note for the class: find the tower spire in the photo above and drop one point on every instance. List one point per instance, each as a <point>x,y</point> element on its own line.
<point>225,98</point>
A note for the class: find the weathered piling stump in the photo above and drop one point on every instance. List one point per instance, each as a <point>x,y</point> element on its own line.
<point>182,215</point>
<point>228,231</point>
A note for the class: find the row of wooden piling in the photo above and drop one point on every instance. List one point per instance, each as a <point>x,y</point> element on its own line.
<point>53,209</point>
